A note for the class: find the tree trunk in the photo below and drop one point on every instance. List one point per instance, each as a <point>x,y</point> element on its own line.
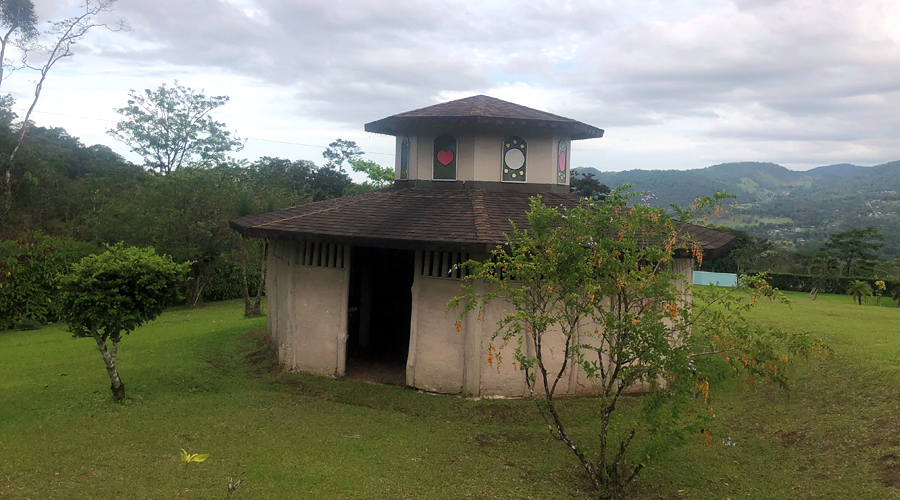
<point>109,358</point>
<point>254,308</point>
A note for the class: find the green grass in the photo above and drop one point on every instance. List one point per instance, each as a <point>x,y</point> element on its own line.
<point>202,380</point>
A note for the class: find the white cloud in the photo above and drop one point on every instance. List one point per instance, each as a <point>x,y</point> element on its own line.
<point>678,84</point>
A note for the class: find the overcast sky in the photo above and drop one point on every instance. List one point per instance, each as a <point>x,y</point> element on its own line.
<point>675,84</point>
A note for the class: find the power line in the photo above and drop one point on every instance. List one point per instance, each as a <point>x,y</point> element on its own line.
<point>248,138</point>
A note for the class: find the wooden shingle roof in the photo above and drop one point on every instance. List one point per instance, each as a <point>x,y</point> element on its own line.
<point>468,219</point>
<point>483,110</point>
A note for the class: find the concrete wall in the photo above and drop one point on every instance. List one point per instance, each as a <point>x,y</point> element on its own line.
<point>307,307</point>
<point>445,360</point>
<point>307,327</point>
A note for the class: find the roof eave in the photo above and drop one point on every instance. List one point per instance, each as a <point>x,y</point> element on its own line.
<point>391,124</point>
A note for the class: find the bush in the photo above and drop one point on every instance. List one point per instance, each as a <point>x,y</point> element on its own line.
<point>224,279</point>
<point>29,324</point>
<point>115,292</point>
<point>804,283</point>
<point>30,265</point>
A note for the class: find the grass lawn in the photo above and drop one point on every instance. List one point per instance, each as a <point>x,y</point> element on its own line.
<point>202,380</point>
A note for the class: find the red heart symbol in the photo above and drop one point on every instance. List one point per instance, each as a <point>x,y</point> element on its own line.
<point>445,156</point>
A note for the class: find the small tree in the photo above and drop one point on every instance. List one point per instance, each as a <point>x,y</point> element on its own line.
<point>824,269</point>
<point>115,292</point>
<point>859,289</point>
<point>601,276</point>
<point>880,288</point>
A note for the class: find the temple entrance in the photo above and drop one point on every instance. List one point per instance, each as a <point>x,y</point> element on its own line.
<point>380,307</point>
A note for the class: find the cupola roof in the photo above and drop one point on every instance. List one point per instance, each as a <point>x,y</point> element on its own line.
<point>483,110</point>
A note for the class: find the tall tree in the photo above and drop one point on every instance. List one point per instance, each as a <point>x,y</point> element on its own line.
<point>65,35</point>
<point>171,126</point>
<point>17,17</point>
<point>854,248</point>
<point>341,151</point>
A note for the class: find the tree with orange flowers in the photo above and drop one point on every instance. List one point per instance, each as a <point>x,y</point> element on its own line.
<point>602,275</point>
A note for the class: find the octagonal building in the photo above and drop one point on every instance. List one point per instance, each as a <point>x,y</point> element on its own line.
<point>358,286</point>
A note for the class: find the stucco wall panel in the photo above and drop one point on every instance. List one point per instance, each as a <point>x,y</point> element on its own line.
<point>437,348</point>
<point>318,318</point>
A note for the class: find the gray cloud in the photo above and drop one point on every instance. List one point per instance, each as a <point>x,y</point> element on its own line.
<point>806,74</point>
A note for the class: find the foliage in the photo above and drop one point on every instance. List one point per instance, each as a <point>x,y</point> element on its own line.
<point>807,283</point>
<point>187,458</point>
<point>341,151</point>
<point>30,265</point>
<point>172,127</point>
<point>587,186</point>
<point>112,293</point>
<point>589,276</point>
<point>29,324</point>
<point>17,17</point>
<point>825,269</point>
<point>859,289</point>
<point>65,34</point>
<point>880,288</point>
<point>854,248</point>
<point>378,176</point>
<point>302,178</point>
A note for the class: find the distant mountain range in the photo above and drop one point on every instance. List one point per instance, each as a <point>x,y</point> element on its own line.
<point>797,209</point>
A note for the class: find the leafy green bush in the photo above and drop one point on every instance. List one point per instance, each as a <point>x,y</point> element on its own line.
<point>804,283</point>
<point>29,324</point>
<point>118,291</point>
<point>224,279</point>
<point>30,265</point>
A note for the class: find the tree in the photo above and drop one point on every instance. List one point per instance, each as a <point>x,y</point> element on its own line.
<point>184,214</point>
<point>171,126</point>
<point>588,277</point>
<point>378,176</point>
<point>587,186</point>
<point>880,288</point>
<point>859,289</point>
<point>66,34</point>
<point>17,17</point>
<point>824,269</point>
<point>854,248</point>
<point>340,151</point>
<point>115,292</point>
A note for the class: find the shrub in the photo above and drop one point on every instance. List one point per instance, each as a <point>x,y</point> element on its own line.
<point>115,292</point>
<point>804,283</point>
<point>29,324</point>
<point>30,265</point>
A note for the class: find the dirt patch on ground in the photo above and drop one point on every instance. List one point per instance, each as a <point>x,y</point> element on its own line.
<point>375,372</point>
<point>790,439</point>
<point>889,466</point>
<point>495,439</point>
<point>500,413</point>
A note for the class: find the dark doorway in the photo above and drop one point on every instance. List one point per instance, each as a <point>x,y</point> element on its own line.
<point>379,314</point>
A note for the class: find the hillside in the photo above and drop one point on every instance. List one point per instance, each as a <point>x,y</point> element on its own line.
<point>798,209</point>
